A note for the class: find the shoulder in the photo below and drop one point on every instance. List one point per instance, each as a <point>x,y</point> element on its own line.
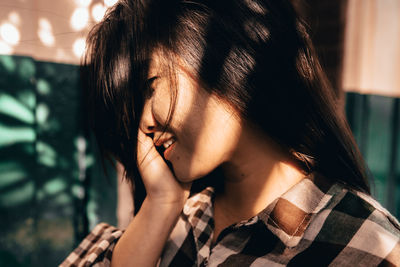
<point>96,248</point>
<point>356,229</point>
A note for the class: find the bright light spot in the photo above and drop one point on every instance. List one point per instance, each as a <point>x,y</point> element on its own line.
<point>80,18</point>
<point>42,113</point>
<point>81,143</point>
<point>78,191</point>
<point>13,135</point>
<point>83,3</point>
<point>45,32</point>
<point>12,107</point>
<point>110,2</point>
<point>46,154</point>
<point>15,18</point>
<point>43,87</point>
<point>45,24</point>
<point>98,12</point>
<point>79,47</point>
<point>9,33</point>
<point>55,185</point>
<point>5,48</point>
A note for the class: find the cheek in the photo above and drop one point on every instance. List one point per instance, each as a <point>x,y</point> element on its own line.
<point>191,159</point>
<point>160,107</point>
<point>204,146</point>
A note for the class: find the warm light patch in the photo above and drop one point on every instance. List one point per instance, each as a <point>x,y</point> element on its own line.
<point>79,19</point>
<point>42,113</point>
<point>9,33</point>
<point>14,18</point>
<point>60,54</point>
<point>5,48</point>
<point>79,47</point>
<point>45,32</point>
<point>83,3</point>
<point>98,12</point>
<point>110,2</point>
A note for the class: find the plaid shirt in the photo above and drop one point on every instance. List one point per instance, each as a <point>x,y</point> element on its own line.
<point>315,223</point>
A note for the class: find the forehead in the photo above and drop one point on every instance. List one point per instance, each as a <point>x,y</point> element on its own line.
<point>154,64</point>
<point>158,64</point>
<point>165,63</point>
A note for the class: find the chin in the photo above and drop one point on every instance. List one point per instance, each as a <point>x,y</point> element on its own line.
<point>187,178</point>
<point>186,175</point>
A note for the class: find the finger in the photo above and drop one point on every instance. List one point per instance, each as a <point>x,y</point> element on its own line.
<point>145,143</point>
<point>145,147</point>
<point>149,160</point>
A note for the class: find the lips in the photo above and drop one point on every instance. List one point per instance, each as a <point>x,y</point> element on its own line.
<point>165,145</point>
<point>168,150</point>
<point>164,141</point>
<point>168,143</point>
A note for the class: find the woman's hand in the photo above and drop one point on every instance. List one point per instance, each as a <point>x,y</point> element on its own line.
<point>146,234</point>
<point>161,185</point>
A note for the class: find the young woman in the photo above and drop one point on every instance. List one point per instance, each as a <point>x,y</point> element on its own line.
<point>224,122</point>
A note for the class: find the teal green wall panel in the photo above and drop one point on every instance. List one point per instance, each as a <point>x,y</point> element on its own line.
<point>51,184</point>
<point>374,124</point>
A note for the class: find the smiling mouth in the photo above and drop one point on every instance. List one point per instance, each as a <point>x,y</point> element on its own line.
<point>168,143</point>
<point>165,146</point>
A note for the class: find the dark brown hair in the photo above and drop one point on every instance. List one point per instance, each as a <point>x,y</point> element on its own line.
<point>255,54</point>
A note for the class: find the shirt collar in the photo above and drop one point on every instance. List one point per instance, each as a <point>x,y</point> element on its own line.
<point>287,217</point>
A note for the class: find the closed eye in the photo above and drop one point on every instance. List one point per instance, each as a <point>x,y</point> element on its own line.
<point>149,89</point>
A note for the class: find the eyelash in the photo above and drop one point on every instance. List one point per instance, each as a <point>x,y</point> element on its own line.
<point>149,90</point>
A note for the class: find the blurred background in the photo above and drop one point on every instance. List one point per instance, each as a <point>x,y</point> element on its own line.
<point>52,186</point>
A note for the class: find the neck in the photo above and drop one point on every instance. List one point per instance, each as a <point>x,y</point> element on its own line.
<point>257,173</point>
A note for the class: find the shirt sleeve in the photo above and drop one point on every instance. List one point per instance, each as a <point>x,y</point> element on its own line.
<point>96,249</point>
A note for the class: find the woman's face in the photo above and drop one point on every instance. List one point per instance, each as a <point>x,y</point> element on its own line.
<point>203,130</point>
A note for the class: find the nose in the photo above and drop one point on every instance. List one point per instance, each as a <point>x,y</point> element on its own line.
<point>147,124</point>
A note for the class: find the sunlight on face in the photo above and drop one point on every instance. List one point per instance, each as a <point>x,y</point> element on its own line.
<point>203,129</point>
